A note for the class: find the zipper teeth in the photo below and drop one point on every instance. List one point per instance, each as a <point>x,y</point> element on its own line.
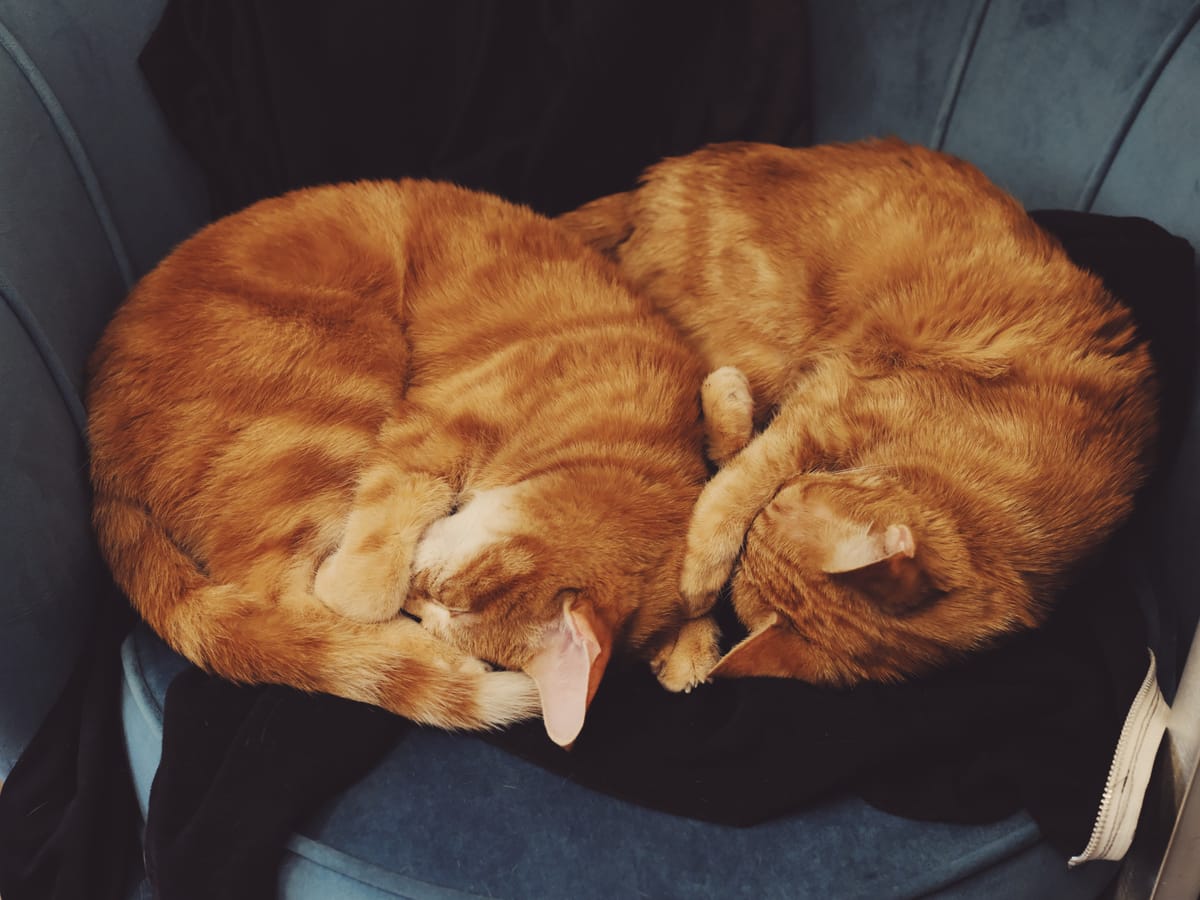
<point>1100,827</point>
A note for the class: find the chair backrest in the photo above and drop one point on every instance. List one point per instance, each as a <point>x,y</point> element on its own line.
<point>92,192</point>
<point>1067,104</point>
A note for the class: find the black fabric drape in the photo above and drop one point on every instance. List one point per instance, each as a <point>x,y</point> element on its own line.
<point>69,820</point>
<point>544,102</point>
<point>242,767</point>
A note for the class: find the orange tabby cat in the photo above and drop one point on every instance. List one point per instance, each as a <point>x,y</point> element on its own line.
<point>954,413</point>
<point>359,399</point>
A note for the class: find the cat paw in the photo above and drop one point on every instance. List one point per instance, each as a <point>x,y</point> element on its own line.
<point>687,662</point>
<point>728,409</point>
<point>350,585</point>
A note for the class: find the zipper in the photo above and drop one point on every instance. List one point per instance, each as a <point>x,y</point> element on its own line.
<point>1129,773</point>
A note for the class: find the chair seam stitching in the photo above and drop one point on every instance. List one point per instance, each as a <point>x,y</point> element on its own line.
<point>74,147</point>
<point>50,359</point>
<point>958,71</point>
<point>1162,58</point>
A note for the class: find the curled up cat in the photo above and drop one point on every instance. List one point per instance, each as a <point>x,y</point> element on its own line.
<point>950,415</point>
<point>353,407</point>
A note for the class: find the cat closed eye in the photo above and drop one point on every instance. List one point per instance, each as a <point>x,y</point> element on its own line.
<point>452,610</point>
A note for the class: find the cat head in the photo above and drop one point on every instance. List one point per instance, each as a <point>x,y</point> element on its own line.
<point>856,576</point>
<point>547,575</point>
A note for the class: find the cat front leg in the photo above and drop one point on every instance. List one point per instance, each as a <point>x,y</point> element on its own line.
<point>722,516</point>
<point>807,429</point>
<point>400,493</point>
<point>728,409</point>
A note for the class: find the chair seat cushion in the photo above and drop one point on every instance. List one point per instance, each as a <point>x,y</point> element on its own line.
<point>445,815</point>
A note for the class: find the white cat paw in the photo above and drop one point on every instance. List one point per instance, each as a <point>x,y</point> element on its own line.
<point>687,662</point>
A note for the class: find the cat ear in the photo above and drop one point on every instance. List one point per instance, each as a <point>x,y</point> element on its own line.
<point>775,651</point>
<point>603,224</point>
<point>864,549</point>
<point>567,669</point>
<point>883,568</point>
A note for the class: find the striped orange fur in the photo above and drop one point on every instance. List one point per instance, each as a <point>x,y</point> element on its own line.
<point>953,415</point>
<point>350,407</point>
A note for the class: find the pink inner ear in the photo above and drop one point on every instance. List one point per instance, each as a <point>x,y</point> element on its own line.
<point>865,549</point>
<point>562,670</point>
<point>899,539</point>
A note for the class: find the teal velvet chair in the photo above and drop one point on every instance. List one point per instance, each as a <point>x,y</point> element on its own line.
<point>1067,104</point>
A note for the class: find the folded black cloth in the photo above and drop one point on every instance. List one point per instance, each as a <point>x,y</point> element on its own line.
<point>69,820</point>
<point>1030,725</point>
<point>242,765</point>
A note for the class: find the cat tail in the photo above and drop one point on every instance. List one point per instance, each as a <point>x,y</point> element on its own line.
<point>252,639</point>
<point>603,224</point>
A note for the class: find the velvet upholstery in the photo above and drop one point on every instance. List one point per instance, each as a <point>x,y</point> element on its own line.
<point>1069,103</point>
<point>93,192</point>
